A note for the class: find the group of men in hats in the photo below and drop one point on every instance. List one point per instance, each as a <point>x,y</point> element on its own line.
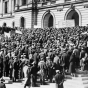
<point>40,53</point>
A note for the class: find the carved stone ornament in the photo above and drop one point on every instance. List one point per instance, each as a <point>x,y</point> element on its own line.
<point>72,6</point>
<point>48,11</point>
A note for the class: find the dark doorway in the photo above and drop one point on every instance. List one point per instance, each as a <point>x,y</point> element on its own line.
<point>48,20</point>
<point>50,23</point>
<point>73,15</point>
<point>22,23</point>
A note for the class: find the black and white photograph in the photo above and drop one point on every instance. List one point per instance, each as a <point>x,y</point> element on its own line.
<point>43,43</point>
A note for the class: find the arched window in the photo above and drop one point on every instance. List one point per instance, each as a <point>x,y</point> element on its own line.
<point>4,24</point>
<point>13,24</point>
<point>22,22</point>
<point>24,2</point>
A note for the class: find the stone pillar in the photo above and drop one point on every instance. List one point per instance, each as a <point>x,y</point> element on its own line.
<point>17,4</point>
<point>1,6</point>
<point>34,14</point>
<point>10,6</point>
<point>13,6</point>
<point>20,2</point>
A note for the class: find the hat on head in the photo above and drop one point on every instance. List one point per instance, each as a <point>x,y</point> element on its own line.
<point>2,80</point>
<point>64,50</point>
<point>24,54</point>
<point>2,49</point>
<point>48,57</point>
<point>26,62</point>
<point>57,71</point>
<point>50,50</point>
<point>42,58</point>
<point>21,55</point>
<point>14,56</point>
<point>33,63</point>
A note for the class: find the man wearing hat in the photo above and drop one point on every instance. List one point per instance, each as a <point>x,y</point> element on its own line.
<point>1,62</point>
<point>34,71</point>
<point>42,69</point>
<point>49,69</point>
<point>2,85</point>
<point>15,68</point>
<point>59,79</point>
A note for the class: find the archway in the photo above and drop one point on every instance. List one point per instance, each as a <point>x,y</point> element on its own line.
<point>22,22</point>
<point>74,12</point>
<point>48,20</point>
<point>73,15</point>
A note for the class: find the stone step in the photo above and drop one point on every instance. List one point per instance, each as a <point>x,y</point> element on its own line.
<point>76,82</point>
<point>79,78</point>
<point>81,72</point>
<point>85,82</point>
<point>82,75</point>
<point>73,82</point>
<point>86,86</point>
<point>7,80</point>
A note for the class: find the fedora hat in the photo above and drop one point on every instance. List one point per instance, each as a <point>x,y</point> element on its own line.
<point>57,71</point>
<point>2,80</point>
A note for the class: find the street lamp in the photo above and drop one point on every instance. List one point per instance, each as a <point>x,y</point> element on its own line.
<point>34,13</point>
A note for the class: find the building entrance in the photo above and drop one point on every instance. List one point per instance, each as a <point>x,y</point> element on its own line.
<point>48,20</point>
<point>73,15</point>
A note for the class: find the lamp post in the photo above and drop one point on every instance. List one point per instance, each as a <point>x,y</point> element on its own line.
<point>34,13</point>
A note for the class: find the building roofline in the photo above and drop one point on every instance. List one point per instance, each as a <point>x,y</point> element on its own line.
<point>52,5</point>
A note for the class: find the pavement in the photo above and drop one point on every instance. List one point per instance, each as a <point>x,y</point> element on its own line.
<point>20,84</point>
<point>80,81</point>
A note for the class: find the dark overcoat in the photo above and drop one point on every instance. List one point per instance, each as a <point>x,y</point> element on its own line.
<point>72,64</point>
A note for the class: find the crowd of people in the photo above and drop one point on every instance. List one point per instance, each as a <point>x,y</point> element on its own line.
<point>39,53</point>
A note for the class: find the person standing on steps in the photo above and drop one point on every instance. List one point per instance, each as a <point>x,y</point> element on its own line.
<point>59,79</point>
<point>2,85</point>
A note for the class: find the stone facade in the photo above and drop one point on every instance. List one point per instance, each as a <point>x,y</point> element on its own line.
<point>43,13</point>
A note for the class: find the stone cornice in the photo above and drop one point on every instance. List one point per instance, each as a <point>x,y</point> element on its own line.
<point>52,5</point>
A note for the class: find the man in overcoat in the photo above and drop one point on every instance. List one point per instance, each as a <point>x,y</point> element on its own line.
<point>59,79</point>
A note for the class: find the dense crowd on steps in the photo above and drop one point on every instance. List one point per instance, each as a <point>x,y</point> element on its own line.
<point>42,52</point>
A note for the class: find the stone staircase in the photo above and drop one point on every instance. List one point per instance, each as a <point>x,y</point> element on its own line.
<point>80,81</point>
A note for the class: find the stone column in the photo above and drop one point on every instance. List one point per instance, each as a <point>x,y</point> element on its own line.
<point>1,6</point>
<point>34,14</point>
<point>17,2</point>
<point>10,6</point>
<point>20,2</point>
<point>13,6</point>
